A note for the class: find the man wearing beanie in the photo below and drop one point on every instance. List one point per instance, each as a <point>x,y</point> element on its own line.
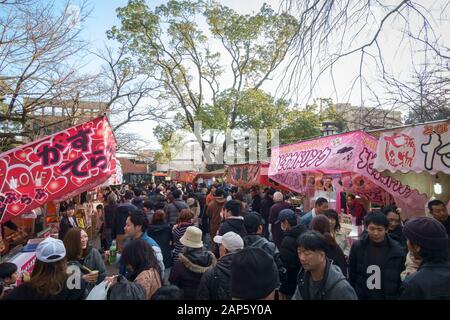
<point>427,240</point>
<point>254,275</point>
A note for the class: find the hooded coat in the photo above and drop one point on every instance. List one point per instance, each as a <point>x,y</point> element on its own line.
<point>213,213</point>
<point>215,283</point>
<point>334,286</point>
<point>189,269</point>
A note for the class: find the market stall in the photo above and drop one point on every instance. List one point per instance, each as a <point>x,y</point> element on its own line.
<point>247,175</point>
<point>49,171</point>
<point>210,177</point>
<point>418,155</point>
<point>182,176</point>
<point>341,163</point>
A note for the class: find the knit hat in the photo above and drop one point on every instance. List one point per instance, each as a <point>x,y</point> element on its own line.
<point>426,232</point>
<point>192,238</point>
<point>50,250</point>
<point>278,196</point>
<point>254,274</point>
<point>285,214</point>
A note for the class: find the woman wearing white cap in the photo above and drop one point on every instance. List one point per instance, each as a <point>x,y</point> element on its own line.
<point>50,279</point>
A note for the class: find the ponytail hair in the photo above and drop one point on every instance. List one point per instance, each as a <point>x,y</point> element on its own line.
<point>322,224</point>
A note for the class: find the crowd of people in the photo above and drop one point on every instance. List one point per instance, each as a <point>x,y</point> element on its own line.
<point>222,243</point>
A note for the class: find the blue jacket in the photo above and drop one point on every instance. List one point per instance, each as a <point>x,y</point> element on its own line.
<point>155,247</point>
<point>306,219</point>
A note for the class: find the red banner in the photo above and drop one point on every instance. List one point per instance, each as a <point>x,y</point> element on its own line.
<point>243,175</point>
<point>57,167</point>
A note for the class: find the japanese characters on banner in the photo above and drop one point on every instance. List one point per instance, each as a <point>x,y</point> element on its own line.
<point>345,162</point>
<point>243,175</point>
<point>57,167</point>
<point>419,148</point>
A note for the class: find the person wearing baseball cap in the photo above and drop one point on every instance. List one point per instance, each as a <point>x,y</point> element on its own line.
<point>51,280</point>
<point>254,275</point>
<point>216,282</point>
<point>428,241</point>
<point>288,251</point>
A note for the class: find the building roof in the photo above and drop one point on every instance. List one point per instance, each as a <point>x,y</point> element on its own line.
<point>129,167</point>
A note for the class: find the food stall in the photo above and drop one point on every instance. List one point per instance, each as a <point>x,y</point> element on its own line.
<point>51,170</point>
<point>344,162</point>
<point>418,155</point>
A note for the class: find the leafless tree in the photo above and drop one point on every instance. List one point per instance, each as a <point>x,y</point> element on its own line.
<point>130,94</point>
<point>39,44</point>
<point>330,31</point>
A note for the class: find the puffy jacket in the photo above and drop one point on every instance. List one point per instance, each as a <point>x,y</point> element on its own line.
<point>235,224</point>
<point>215,283</point>
<point>393,265</point>
<point>430,282</point>
<point>188,270</point>
<point>162,234</point>
<point>289,257</point>
<point>334,286</point>
<point>173,211</point>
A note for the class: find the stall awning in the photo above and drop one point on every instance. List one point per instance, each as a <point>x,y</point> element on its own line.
<point>419,148</point>
<point>211,174</point>
<point>251,174</point>
<point>159,174</point>
<point>57,167</point>
<point>182,176</point>
<point>342,162</point>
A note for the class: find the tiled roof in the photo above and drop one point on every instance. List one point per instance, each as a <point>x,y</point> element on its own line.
<point>129,167</point>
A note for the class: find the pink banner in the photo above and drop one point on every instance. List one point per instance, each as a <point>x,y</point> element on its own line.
<point>419,148</point>
<point>348,159</point>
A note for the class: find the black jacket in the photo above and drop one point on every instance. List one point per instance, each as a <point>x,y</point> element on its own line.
<point>394,264</point>
<point>398,236</point>
<point>25,292</point>
<point>258,241</point>
<point>256,203</point>
<point>110,215</point>
<point>64,226</point>
<point>266,204</point>
<point>430,282</point>
<point>162,234</point>
<point>123,211</point>
<point>289,257</point>
<point>235,225</point>
<point>336,255</point>
<point>216,282</point>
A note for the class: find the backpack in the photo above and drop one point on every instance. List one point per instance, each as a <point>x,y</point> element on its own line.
<point>270,248</point>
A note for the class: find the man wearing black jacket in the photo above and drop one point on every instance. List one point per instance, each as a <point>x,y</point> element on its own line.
<point>254,226</point>
<point>288,250</point>
<point>233,219</point>
<point>215,283</point>
<point>266,204</point>
<point>376,261</point>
